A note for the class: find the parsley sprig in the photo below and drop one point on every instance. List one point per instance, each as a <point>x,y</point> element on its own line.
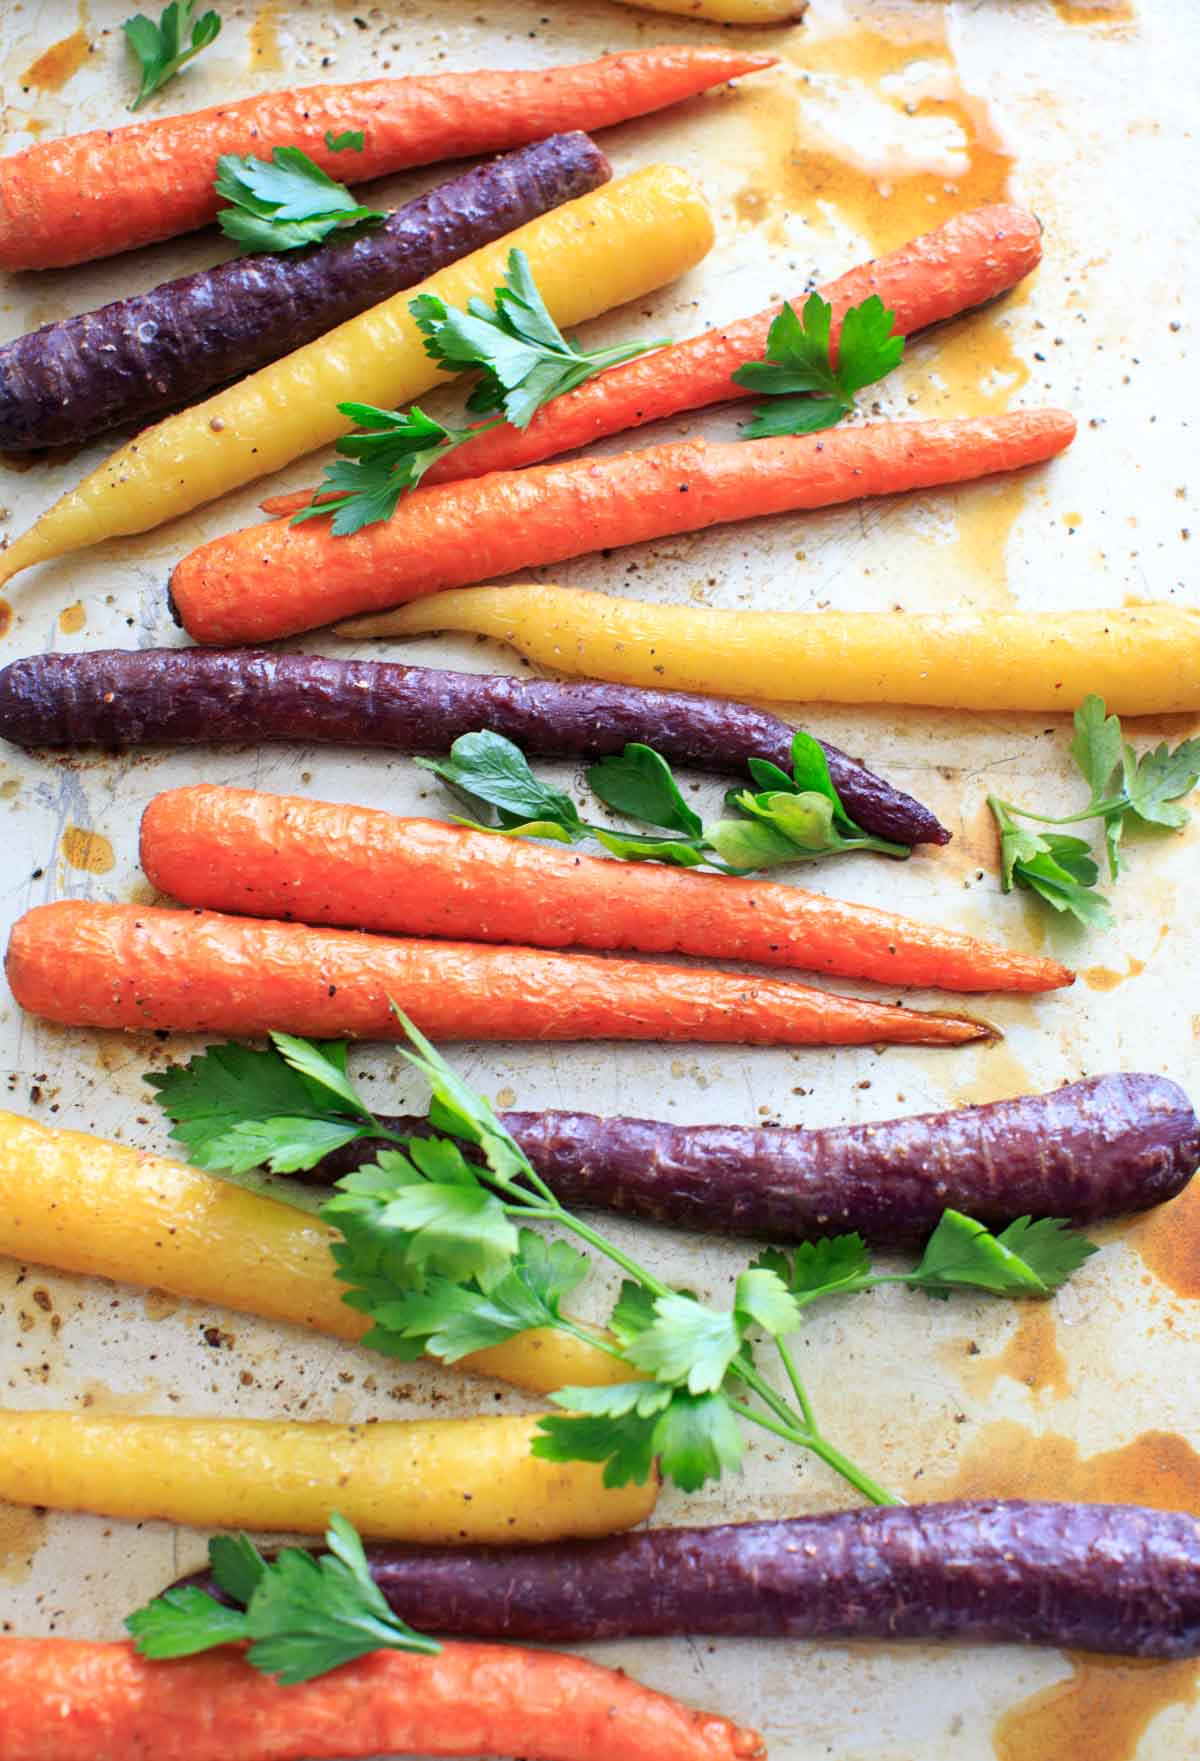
<point>522,356</point>
<point>799,363</point>
<point>523,361</point>
<point>285,202</point>
<point>303,1615</point>
<point>1061,868</point>
<point>162,49</point>
<point>790,819</point>
<point>437,1251</point>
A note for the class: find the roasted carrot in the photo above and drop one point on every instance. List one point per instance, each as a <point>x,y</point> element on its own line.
<point>607,247</point>
<point>88,195</point>
<point>143,1219</point>
<point>142,968</point>
<point>972,258</point>
<point>274,580</point>
<point>1142,659</point>
<point>286,856</point>
<point>438,1481</point>
<point>69,1700</point>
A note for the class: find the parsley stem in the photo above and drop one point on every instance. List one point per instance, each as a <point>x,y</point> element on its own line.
<point>841,1464</point>
<point>809,1438</point>
<point>793,1376</point>
<point>1095,810</point>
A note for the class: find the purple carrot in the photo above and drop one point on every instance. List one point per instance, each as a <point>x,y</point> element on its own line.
<point>182,696</point>
<point>1088,1577</point>
<point>1095,1149</point>
<point>157,350</point>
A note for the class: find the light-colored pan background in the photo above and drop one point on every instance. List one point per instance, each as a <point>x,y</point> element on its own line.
<point>882,119</point>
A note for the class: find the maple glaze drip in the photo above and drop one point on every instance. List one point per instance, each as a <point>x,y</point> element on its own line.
<point>52,69</point>
<point>89,851</point>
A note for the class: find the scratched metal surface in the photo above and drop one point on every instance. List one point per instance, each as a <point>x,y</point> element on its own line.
<point>874,127</point>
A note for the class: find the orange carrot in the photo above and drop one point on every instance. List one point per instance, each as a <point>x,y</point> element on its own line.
<point>85,196</point>
<point>69,1700</point>
<point>141,967</point>
<point>972,258</point>
<point>286,856</point>
<point>275,580</point>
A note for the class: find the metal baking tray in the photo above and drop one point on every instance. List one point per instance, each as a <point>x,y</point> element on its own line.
<point>883,117</point>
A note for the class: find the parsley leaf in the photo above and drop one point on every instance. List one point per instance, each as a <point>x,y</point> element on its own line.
<point>234,1109</point>
<point>625,1444</point>
<point>1028,1259</point>
<point>1060,868</point>
<point>486,769</point>
<point>162,49</point>
<point>448,1320</point>
<point>799,360</point>
<point>388,455</point>
<point>283,203</point>
<point>820,1267</point>
<point>522,355</point>
<point>1097,745</point>
<point>184,1621</point>
<point>431,1200</point>
<point>761,1299</point>
<point>787,823</point>
<point>303,1615</point>
<point>639,784</point>
<point>1050,1248</point>
<point>687,1342</point>
<point>632,1313</point>
<point>351,140</point>
<point>696,1437</point>
<point>1155,781</point>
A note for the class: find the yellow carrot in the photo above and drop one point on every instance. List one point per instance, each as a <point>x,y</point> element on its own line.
<point>81,1204</point>
<point>433,1481</point>
<point>613,245</point>
<point>1143,660</point>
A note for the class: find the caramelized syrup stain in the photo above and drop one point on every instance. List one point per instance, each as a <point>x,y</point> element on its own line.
<point>51,71</point>
<point>89,851</point>
<point>72,618</point>
<point>1168,1242</point>
<point>1105,13</point>
<point>6,617</point>
<point>1105,978</point>
<point>266,56</point>
<point>1101,1712</point>
<point>943,154</point>
<point>21,1532</point>
<point>1032,1356</point>
<point>1007,1460</point>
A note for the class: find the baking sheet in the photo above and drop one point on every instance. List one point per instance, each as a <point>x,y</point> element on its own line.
<point>882,119</point>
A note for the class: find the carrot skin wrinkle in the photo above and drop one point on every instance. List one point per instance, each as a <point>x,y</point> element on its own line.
<point>1089,1151</point>
<point>277,580</point>
<point>1119,1579</point>
<point>137,357</point>
<point>70,1700</point>
<point>181,696</point>
<point>85,196</point>
<point>284,856</point>
<point>141,968</point>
